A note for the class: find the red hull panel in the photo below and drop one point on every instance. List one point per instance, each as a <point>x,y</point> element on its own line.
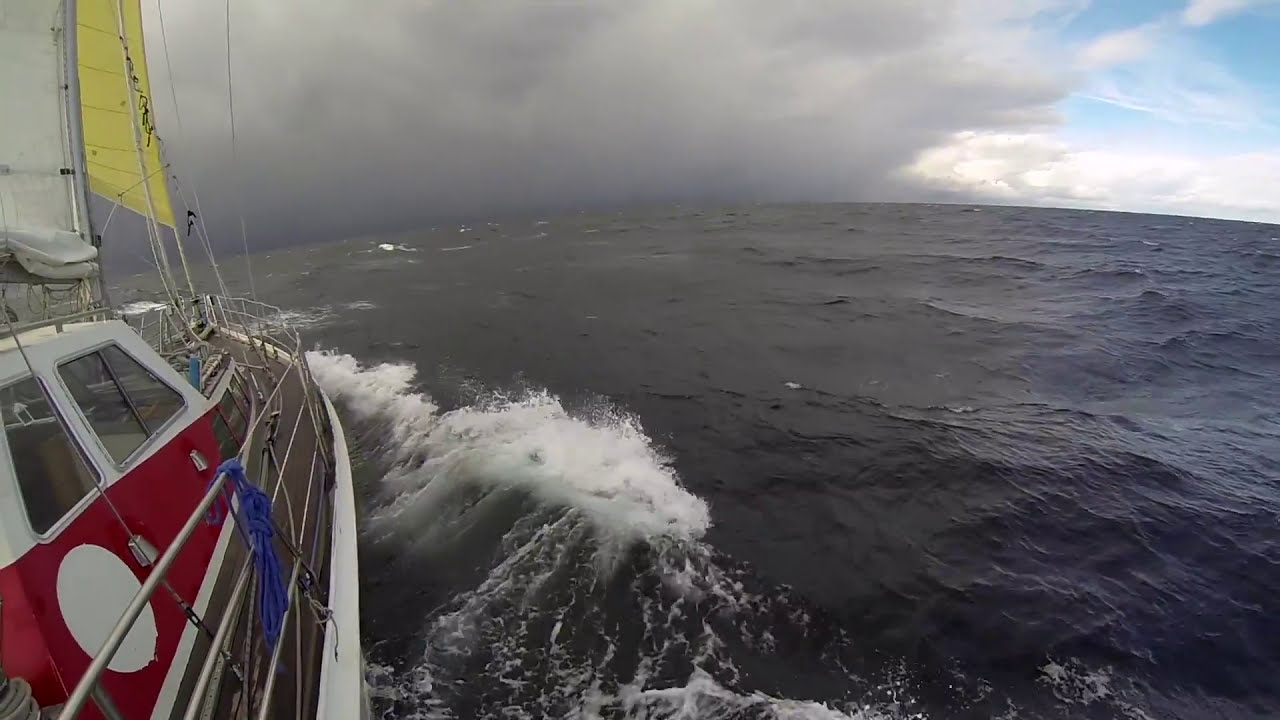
<point>154,500</point>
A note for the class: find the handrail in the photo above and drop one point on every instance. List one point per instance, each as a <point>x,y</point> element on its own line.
<point>11,330</point>
<point>140,600</point>
<point>253,320</point>
<point>232,611</point>
<point>215,645</point>
<point>271,673</point>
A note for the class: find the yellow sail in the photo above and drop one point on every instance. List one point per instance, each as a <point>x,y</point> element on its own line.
<point>116,168</point>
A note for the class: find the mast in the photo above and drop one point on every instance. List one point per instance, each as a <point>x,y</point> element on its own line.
<point>75,134</point>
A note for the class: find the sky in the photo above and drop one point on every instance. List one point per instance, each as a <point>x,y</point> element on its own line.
<point>359,118</point>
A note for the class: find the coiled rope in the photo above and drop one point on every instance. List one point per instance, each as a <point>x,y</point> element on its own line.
<point>16,702</point>
<point>254,520</point>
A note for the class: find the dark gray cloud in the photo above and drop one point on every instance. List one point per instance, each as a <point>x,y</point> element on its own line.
<point>385,114</point>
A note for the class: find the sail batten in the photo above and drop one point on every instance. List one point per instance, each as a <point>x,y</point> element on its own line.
<point>124,162</point>
<point>35,193</point>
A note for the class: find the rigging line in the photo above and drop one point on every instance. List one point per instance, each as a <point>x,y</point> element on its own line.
<point>144,258</point>
<point>157,247</point>
<point>148,176</point>
<point>203,231</point>
<point>164,41</point>
<point>156,264</point>
<point>141,124</point>
<point>201,234</point>
<point>231,113</point>
<point>204,234</point>
<point>145,123</point>
<point>111,214</point>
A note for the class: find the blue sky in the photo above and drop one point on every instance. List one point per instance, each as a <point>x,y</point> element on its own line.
<point>1175,108</point>
<point>1208,73</point>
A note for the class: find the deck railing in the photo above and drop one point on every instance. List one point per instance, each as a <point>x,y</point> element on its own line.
<point>266,332</point>
<point>254,320</point>
<point>88,684</point>
<point>169,329</point>
<point>161,329</point>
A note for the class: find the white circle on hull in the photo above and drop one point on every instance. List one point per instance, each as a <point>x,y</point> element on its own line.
<point>94,588</point>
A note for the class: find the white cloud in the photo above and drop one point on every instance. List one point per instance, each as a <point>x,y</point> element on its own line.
<point>1203,12</point>
<point>1039,169</point>
<point>1175,82</point>
<point>1116,48</point>
<point>355,117</point>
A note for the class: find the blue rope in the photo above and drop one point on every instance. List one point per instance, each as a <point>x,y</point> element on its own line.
<point>254,521</point>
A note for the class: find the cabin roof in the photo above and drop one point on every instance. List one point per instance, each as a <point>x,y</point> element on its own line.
<point>46,347</point>
<point>42,335</point>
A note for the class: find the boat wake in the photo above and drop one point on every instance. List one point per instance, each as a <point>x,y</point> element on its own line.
<point>599,600</point>
<point>603,467</point>
<point>559,569</point>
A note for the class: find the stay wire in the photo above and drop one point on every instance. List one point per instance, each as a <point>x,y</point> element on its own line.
<point>231,113</point>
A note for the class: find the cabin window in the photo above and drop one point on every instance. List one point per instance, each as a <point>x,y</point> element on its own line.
<point>229,424</point>
<point>241,394</point>
<point>52,474</point>
<point>228,445</point>
<point>124,402</point>
<point>234,416</point>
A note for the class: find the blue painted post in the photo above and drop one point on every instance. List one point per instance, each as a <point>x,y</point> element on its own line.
<point>193,370</point>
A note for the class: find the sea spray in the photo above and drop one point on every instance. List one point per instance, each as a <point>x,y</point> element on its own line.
<point>604,466</point>
<point>601,587</point>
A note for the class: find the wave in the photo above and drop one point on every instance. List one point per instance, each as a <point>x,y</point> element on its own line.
<point>1150,309</point>
<point>300,318</point>
<point>1105,274</point>
<point>568,575</point>
<point>1007,261</point>
<point>550,630</point>
<point>837,266</point>
<point>604,466</point>
<point>141,307</point>
<point>703,697</point>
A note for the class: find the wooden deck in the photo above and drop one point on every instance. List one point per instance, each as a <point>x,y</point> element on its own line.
<point>294,467</point>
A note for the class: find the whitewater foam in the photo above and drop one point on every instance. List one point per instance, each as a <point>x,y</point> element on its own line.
<point>139,307</point>
<point>703,697</point>
<point>300,318</point>
<point>543,621</point>
<point>1075,684</point>
<point>543,629</point>
<point>603,466</point>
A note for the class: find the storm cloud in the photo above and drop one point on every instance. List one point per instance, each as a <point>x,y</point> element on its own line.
<point>354,118</point>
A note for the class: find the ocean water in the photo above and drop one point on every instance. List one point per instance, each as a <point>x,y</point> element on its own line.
<point>854,461</point>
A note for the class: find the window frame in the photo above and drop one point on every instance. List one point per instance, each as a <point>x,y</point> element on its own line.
<point>231,389</point>
<point>239,391</point>
<point>146,445</point>
<point>217,417</point>
<point>99,477</point>
<point>232,397</point>
<point>243,434</point>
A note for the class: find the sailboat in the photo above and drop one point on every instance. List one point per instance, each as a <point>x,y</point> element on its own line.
<point>177,515</point>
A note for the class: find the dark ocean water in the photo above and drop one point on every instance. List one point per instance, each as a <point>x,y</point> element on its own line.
<point>811,462</point>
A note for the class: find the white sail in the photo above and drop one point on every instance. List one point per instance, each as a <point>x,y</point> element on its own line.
<point>39,223</point>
